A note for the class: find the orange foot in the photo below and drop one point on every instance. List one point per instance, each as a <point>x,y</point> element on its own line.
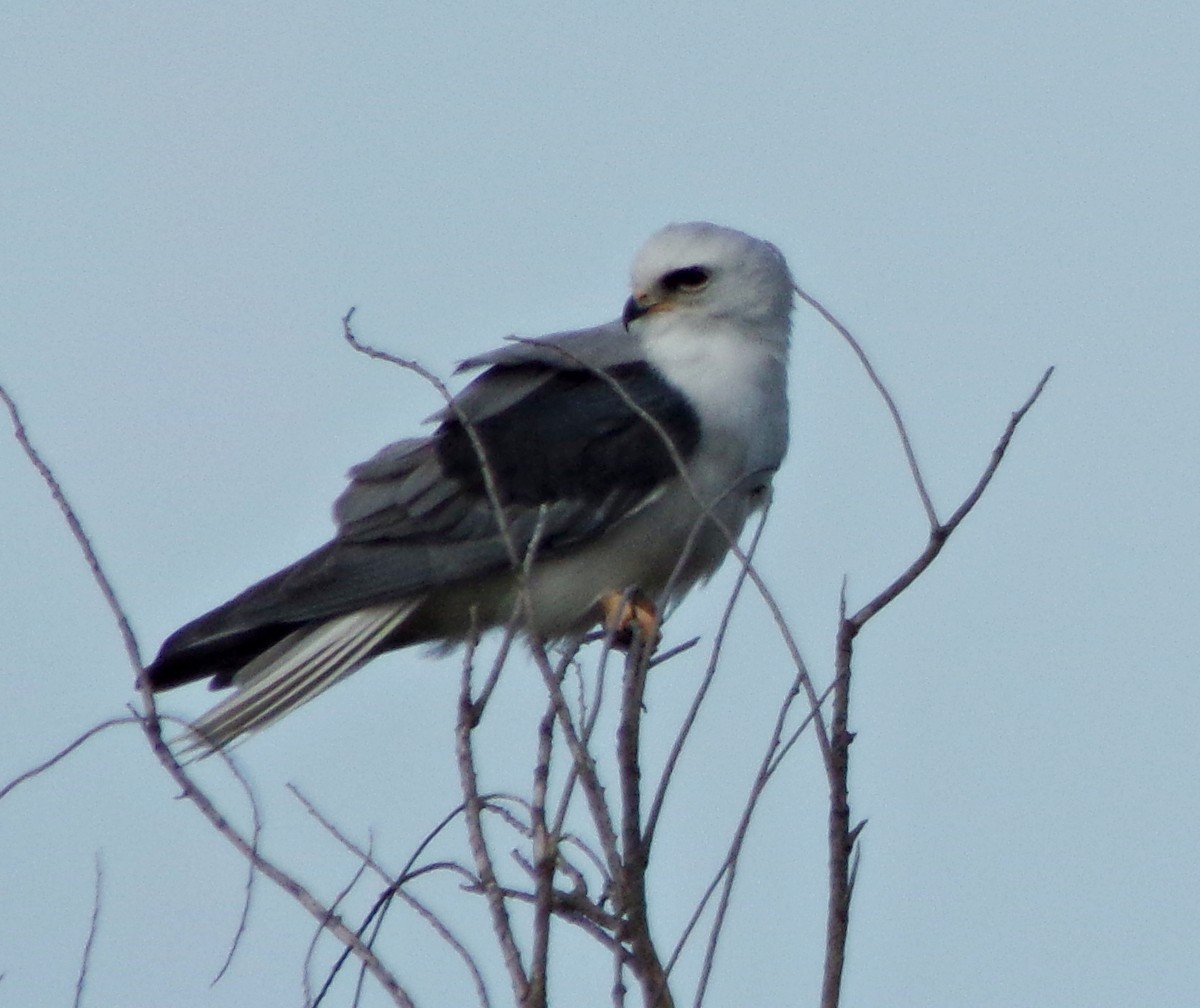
<point>625,611</point>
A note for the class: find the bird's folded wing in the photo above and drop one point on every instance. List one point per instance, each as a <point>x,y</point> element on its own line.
<point>564,460</point>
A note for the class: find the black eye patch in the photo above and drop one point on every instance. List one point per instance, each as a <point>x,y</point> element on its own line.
<point>687,278</point>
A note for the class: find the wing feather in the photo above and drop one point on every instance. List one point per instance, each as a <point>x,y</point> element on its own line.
<point>569,457</point>
<point>292,672</point>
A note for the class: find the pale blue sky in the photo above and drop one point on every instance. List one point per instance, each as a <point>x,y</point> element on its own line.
<point>192,195</point>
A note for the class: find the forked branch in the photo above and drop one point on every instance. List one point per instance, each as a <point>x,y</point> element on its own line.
<point>842,836</point>
<point>151,724</point>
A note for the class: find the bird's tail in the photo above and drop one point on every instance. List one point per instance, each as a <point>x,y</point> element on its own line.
<point>290,673</point>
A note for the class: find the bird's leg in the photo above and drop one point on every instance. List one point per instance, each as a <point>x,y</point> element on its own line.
<point>623,611</point>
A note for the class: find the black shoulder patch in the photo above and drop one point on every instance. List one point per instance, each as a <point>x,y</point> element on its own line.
<point>575,436</point>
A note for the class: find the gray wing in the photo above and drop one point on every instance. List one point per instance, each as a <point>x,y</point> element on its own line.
<point>567,453</point>
<point>568,457</point>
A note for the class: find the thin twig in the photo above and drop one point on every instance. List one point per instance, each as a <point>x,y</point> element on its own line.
<point>842,839</point>
<point>644,960</point>
<point>251,872</point>
<point>710,671</point>
<point>152,727</point>
<point>363,855</point>
<point>473,806</point>
<point>545,858</point>
<point>584,764</point>
<point>901,429</point>
<point>940,533</point>
<point>468,425</point>
<point>310,953</point>
<point>451,939</point>
<point>330,921</point>
<point>767,767</point>
<point>578,911</point>
<point>672,652</point>
<point>65,752</point>
<point>738,839</point>
<point>506,643</point>
<point>707,510</point>
<point>76,527</point>
<point>841,843</point>
<point>588,717</point>
<point>394,891</point>
<point>93,928</point>
<point>395,884</point>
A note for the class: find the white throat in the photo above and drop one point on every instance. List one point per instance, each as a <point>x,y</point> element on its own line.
<point>735,378</point>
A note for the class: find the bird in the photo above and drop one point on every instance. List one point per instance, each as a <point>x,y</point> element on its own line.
<point>581,479</point>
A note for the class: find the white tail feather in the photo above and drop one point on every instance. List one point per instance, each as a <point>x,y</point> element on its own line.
<point>292,672</point>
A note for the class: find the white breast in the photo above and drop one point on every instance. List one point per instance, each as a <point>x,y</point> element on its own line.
<point>735,380</point>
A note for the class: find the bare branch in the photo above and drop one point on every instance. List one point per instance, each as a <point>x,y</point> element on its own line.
<point>584,765</point>
<point>710,671</point>
<point>706,507</point>
<point>841,843</point>
<point>65,752</point>
<point>545,859</point>
<point>311,951</point>
<point>506,643</point>
<point>93,927</point>
<point>364,856</point>
<point>940,533</point>
<point>644,960</point>
<point>486,470</point>
<point>251,874</point>
<point>842,839</point>
<point>728,870</point>
<point>76,527</point>
<point>672,652</point>
<point>473,806</point>
<point>914,468</point>
<point>152,727</point>
<point>449,937</point>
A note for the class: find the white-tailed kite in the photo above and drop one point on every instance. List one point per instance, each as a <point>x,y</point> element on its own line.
<point>618,458</point>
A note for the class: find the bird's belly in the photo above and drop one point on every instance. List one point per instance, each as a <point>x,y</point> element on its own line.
<point>663,551</point>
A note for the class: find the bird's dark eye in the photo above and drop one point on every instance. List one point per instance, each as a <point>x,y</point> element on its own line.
<point>689,278</point>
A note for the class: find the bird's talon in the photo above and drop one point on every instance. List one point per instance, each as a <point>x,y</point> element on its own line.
<point>630,617</point>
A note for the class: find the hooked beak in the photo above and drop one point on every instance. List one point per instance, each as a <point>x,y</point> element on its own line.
<point>639,305</point>
<point>633,310</point>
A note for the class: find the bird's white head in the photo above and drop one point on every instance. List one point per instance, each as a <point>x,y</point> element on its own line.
<point>700,271</point>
